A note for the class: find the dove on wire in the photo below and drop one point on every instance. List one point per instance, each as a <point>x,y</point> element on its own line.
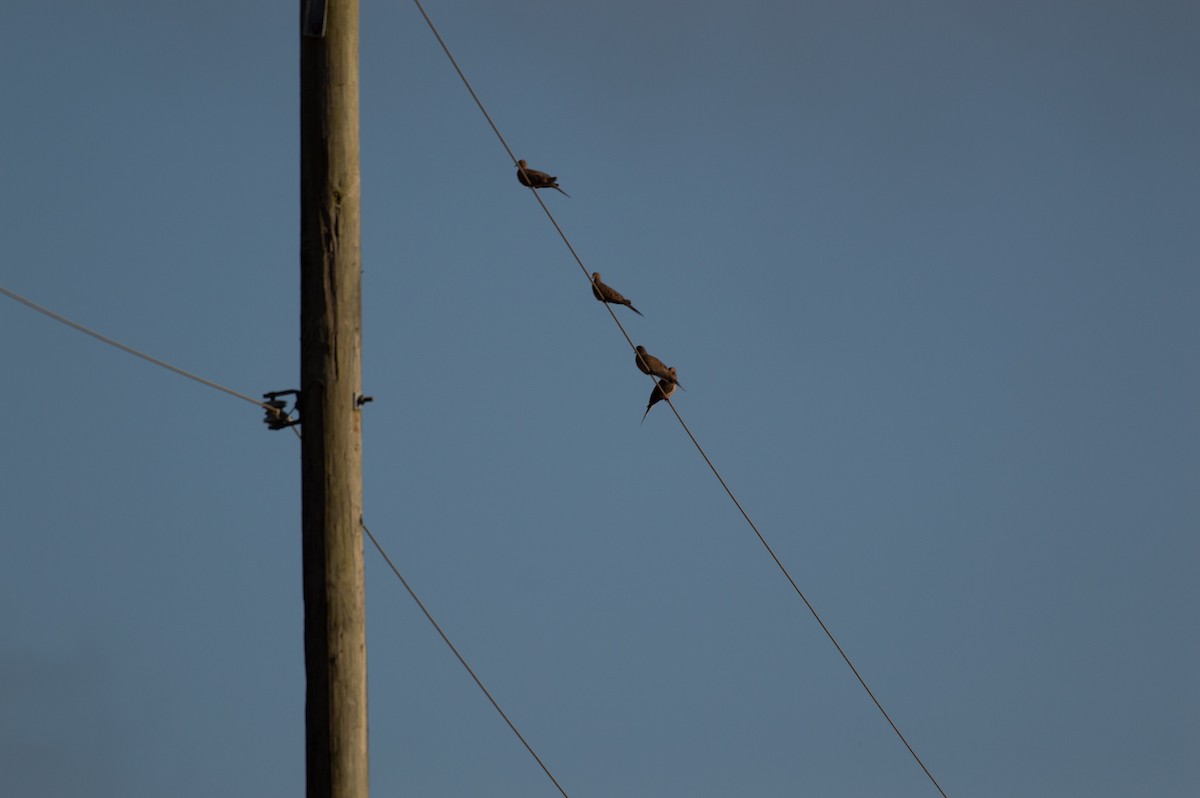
<point>649,364</point>
<point>535,179</point>
<point>604,293</point>
<point>661,391</point>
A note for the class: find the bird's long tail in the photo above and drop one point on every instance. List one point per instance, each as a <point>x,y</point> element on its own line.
<point>635,310</point>
<point>560,191</point>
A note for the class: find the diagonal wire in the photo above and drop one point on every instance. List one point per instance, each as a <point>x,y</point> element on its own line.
<point>675,410</point>
<point>130,350</point>
<point>807,603</point>
<point>495,129</point>
<point>462,661</point>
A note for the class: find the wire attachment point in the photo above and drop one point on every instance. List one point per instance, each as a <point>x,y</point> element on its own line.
<point>278,416</point>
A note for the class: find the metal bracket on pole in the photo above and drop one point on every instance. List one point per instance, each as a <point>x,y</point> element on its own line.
<point>278,417</point>
<point>312,22</point>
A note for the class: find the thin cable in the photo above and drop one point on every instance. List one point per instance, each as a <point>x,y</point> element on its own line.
<point>495,129</point>
<point>461,660</point>
<point>804,598</point>
<point>129,349</point>
<point>674,410</point>
<point>499,135</point>
<point>466,82</point>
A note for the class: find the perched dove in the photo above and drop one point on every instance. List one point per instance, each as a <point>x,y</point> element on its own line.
<point>649,364</point>
<point>535,179</point>
<point>606,294</point>
<point>661,391</point>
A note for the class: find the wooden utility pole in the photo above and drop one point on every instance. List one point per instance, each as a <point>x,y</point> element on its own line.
<point>335,650</point>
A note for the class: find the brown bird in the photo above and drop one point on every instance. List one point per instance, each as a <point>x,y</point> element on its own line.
<point>661,391</point>
<point>649,364</point>
<point>535,179</point>
<point>606,294</point>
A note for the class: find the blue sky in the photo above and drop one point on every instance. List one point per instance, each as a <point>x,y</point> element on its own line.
<point>928,272</point>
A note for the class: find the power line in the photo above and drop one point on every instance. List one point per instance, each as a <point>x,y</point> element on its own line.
<point>674,410</point>
<point>130,350</point>
<point>209,383</point>
<point>807,603</point>
<point>461,659</point>
<point>562,234</point>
